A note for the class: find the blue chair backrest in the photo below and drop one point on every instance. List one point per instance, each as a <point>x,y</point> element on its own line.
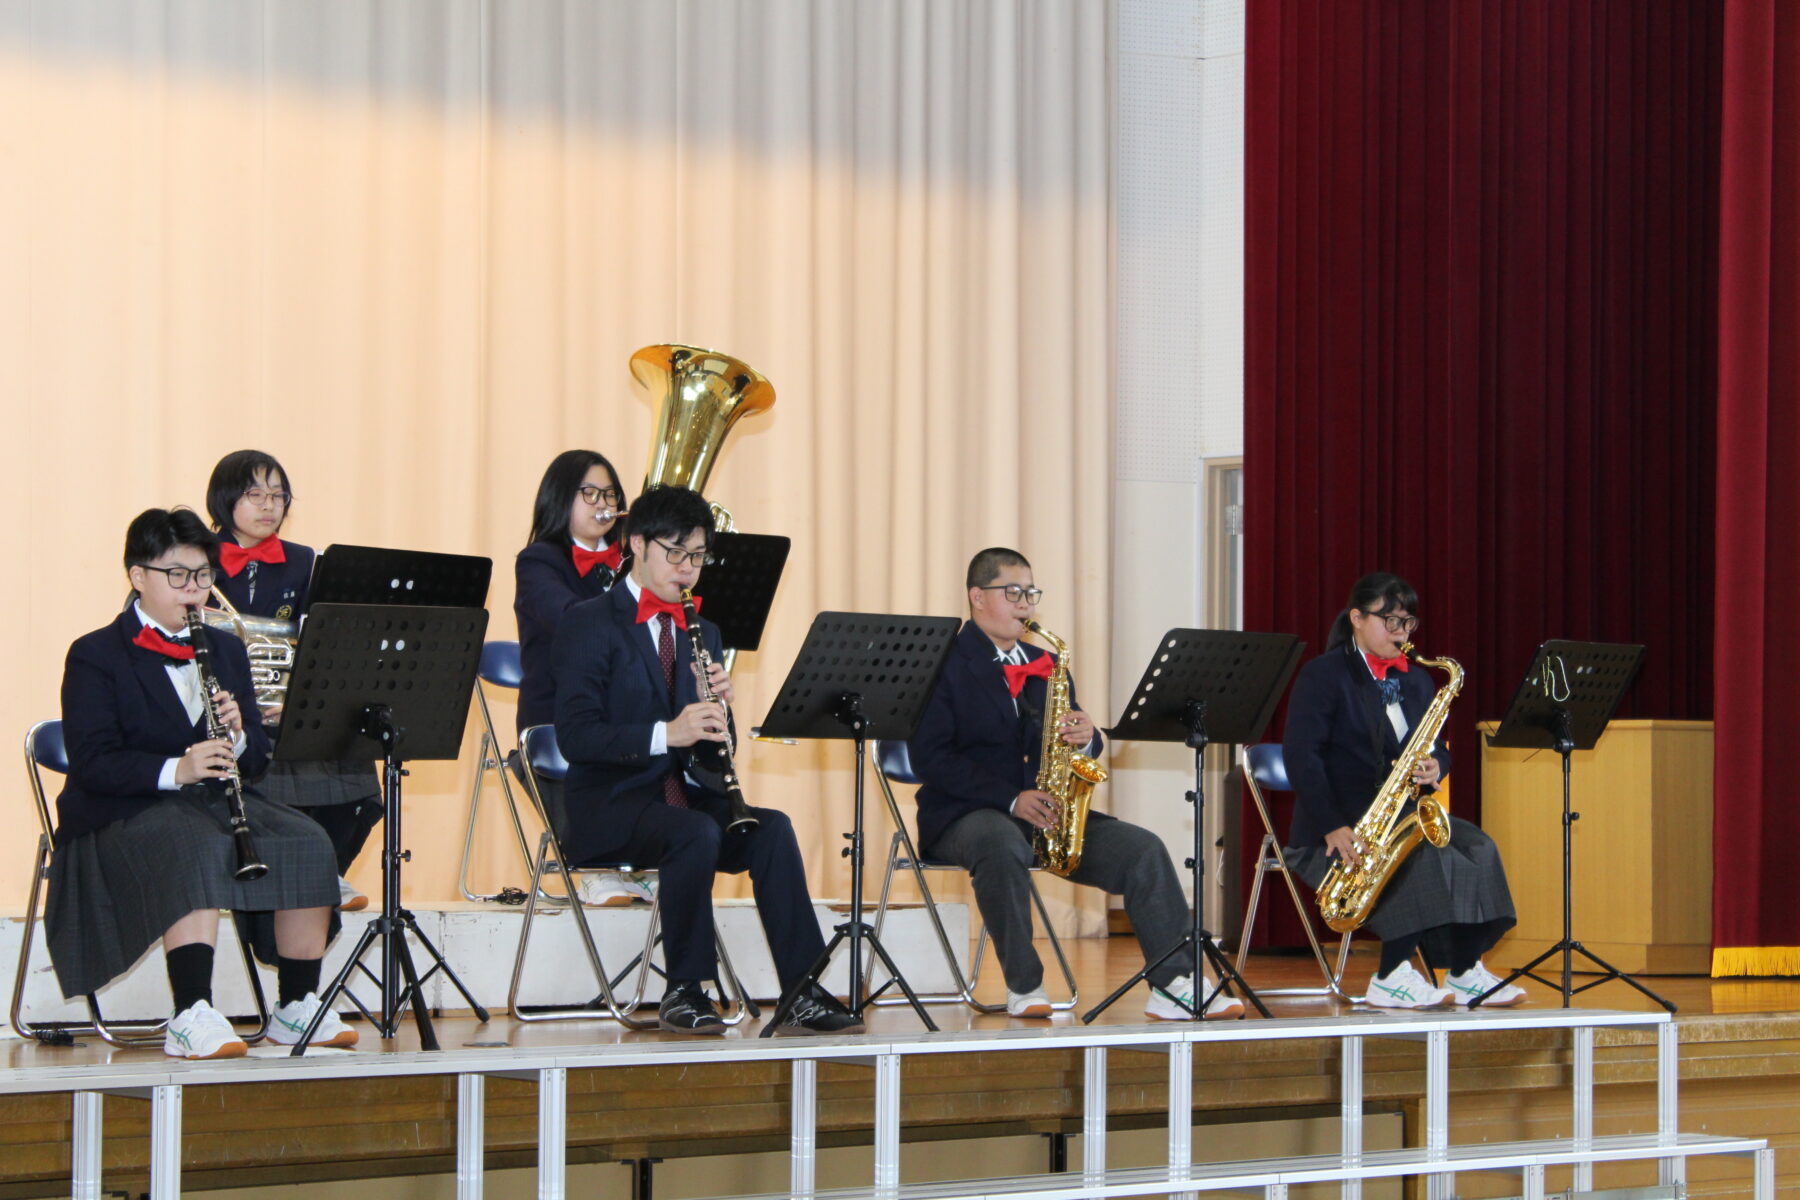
<point>1268,767</point>
<point>500,664</point>
<point>895,761</point>
<point>541,751</point>
<point>47,746</point>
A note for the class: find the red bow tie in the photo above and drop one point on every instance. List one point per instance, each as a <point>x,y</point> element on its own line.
<point>1017,673</point>
<point>613,556</point>
<point>1381,666</point>
<point>232,556</point>
<point>151,639</point>
<point>649,605</point>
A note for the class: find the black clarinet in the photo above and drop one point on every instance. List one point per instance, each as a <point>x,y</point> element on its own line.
<point>718,752</point>
<point>249,866</point>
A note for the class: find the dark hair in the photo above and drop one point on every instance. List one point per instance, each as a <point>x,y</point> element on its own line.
<point>985,567</point>
<point>235,475</point>
<point>156,531</point>
<point>669,513</point>
<point>1376,592</point>
<point>556,495</point>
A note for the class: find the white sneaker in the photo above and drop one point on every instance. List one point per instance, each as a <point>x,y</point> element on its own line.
<point>1035,1003</point>
<point>349,899</point>
<point>611,889</point>
<point>641,884</point>
<point>1477,980</point>
<point>287,1024</point>
<point>1406,988</point>
<point>1162,1003</point>
<point>202,1032</point>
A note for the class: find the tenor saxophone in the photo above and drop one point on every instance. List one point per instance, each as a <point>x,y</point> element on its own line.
<point>1063,771</point>
<point>1388,832</point>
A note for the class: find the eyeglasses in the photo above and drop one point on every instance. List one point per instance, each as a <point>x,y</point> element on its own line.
<point>600,495</point>
<point>1015,592</point>
<point>257,498</point>
<point>178,576</point>
<point>677,555</point>
<point>1396,624</point>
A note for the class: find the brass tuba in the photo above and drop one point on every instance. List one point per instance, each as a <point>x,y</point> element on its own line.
<point>1063,771</point>
<point>1387,832</point>
<point>700,394</point>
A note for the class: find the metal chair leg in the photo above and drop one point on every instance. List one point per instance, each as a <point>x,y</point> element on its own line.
<point>612,1009</point>
<point>489,759</point>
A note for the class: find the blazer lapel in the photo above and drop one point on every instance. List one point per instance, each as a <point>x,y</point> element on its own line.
<point>625,612</point>
<point>990,678</point>
<point>150,668</point>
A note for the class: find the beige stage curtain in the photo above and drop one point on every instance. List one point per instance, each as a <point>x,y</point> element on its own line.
<point>409,247</point>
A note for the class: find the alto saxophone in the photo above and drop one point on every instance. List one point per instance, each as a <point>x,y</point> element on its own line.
<point>1387,832</point>
<point>1063,771</point>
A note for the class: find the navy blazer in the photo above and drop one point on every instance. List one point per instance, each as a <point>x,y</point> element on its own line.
<point>545,586</point>
<point>1339,744</point>
<point>972,749</point>
<point>122,719</point>
<point>271,589</point>
<point>609,693</point>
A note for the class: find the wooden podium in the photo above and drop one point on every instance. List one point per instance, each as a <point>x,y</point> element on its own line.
<point>1642,848</point>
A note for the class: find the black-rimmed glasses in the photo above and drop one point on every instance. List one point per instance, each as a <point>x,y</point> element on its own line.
<point>677,555</point>
<point>257,497</point>
<point>1016,592</point>
<point>1395,624</point>
<point>178,576</point>
<point>600,495</point>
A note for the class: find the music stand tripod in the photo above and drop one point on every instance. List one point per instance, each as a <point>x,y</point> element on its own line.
<point>859,676</point>
<point>1567,699</point>
<point>390,682</point>
<point>1204,686</point>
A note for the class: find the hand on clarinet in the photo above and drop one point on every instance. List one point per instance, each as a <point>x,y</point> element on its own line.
<point>721,682</point>
<point>1342,842</point>
<point>226,706</point>
<point>1035,808</point>
<point>699,722</point>
<point>211,759</point>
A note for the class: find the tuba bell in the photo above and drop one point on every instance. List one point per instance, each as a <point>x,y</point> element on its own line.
<point>700,394</point>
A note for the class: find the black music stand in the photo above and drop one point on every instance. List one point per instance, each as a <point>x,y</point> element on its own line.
<point>858,676</point>
<point>1567,699</point>
<point>390,682</point>
<point>373,575</point>
<point>1204,686</point>
<point>742,572</point>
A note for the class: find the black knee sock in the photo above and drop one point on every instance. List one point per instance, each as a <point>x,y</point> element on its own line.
<point>190,974</point>
<point>1467,942</point>
<point>294,977</point>
<point>1395,951</point>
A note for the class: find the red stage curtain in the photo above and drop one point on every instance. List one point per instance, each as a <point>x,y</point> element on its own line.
<point>1756,919</point>
<point>1478,335</point>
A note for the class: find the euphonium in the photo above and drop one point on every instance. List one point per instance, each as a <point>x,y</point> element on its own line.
<point>1387,832</point>
<point>1063,771</point>
<point>699,395</point>
<point>269,641</point>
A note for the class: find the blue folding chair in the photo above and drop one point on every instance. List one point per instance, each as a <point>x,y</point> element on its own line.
<point>893,764</point>
<point>45,750</point>
<point>500,667</point>
<point>1264,767</point>
<point>543,759</point>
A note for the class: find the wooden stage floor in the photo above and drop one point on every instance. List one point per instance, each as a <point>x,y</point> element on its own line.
<point>1740,1075</point>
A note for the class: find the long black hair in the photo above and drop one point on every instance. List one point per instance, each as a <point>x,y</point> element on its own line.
<point>1376,592</point>
<point>235,475</point>
<point>556,495</point>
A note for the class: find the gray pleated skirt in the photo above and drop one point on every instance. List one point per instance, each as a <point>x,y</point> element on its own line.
<point>1462,884</point>
<point>319,784</point>
<point>115,891</point>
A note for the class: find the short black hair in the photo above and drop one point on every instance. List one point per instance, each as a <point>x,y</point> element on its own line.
<point>156,531</point>
<point>235,475</point>
<point>668,513</point>
<point>556,495</point>
<point>1376,592</point>
<point>985,567</point>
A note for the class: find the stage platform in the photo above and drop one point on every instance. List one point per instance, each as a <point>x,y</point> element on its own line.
<point>632,1108</point>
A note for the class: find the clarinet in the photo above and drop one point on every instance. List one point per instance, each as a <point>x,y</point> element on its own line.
<point>741,816</point>
<point>249,866</point>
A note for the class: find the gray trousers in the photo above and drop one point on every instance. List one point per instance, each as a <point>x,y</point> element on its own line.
<point>1118,857</point>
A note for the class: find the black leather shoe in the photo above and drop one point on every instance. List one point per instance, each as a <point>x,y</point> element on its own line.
<point>686,1008</point>
<point>818,1011</point>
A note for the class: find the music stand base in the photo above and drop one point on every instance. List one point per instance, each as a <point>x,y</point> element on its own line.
<point>1568,949</point>
<point>1229,980</point>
